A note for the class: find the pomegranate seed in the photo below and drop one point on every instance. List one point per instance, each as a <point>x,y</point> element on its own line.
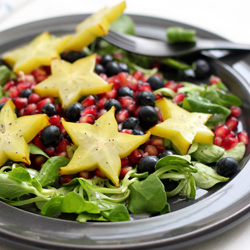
<point>38,161</point>
<point>13,92</point>
<point>62,146</point>
<point>232,123</point>
<point>104,77</point>
<point>221,131</point>
<point>138,75</point>
<point>116,83</point>
<point>122,115</point>
<point>85,174</point>
<point>229,142</point>
<point>127,80</point>
<point>125,162</point>
<point>99,173</point>
<point>21,112</point>
<point>4,99</point>
<point>172,85</point>
<point>87,119</point>
<point>111,94</point>
<point>131,108</point>
<point>178,98</point>
<point>90,110</point>
<point>156,141</point>
<point>124,171</point>
<point>62,129</point>
<point>42,102</point>
<point>55,120</point>
<point>235,111</point>
<point>23,86</point>
<point>159,95</point>
<point>30,108</point>
<point>101,102</point>
<point>137,111</point>
<point>136,155</point>
<point>21,102</point>
<point>50,151</point>
<point>243,137</point>
<point>89,101</point>
<point>98,59</point>
<point>37,141</point>
<point>26,78</point>
<point>144,86</point>
<point>34,98</point>
<point>127,131</point>
<point>126,101</point>
<point>61,154</point>
<point>231,134</point>
<point>65,179</point>
<point>101,112</point>
<point>151,150</point>
<point>8,85</point>
<point>39,74</point>
<point>217,141</point>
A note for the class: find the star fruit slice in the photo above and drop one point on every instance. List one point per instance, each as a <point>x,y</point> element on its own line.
<point>39,52</point>
<point>100,146</point>
<point>15,133</point>
<point>182,127</point>
<point>96,25</point>
<point>71,81</point>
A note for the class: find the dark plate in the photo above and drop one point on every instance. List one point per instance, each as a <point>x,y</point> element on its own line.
<point>212,212</point>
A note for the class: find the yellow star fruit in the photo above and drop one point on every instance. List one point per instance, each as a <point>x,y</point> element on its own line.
<point>39,52</point>
<point>15,133</point>
<point>181,126</point>
<point>100,146</point>
<point>71,81</point>
<point>94,26</point>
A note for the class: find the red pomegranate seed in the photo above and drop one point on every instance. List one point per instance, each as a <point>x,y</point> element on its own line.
<point>14,92</point>
<point>214,80</point>
<point>99,173</point>
<point>221,131</point>
<point>127,131</point>
<point>23,86</point>
<point>235,111</point>
<point>62,146</point>
<point>125,161</point>
<point>90,110</point>
<point>124,171</point>
<point>34,98</point>
<point>116,83</point>
<point>122,115</point>
<point>50,151</point>
<point>42,102</point>
<point>243,137</point>
<point>98,59</point>
<point>55,120</point>
<point>172,85</point>
<point>4,99</point>
<point>26,78</point>
<point>65,179</point>
<point>8,85</point>
<point>103,76</point>
<point>144,86</point>
<point>62,129</point>
<point>217,141</point>
<point>38,161</point>
<point>111,94</point>
<point>232,123</point>
<point>151,150</point>
<point>101,102</point>
<point>88,101</point>
<point>137,111</point>
<point>87,119</point>
<point>30,108</point>
<point>126,101</point>
<point>156,141</point>
<point>21,102</point>
<point>85,174</point>
<point>159,95</point>
<point>21,112</point>
<point>136,155</point>
<point>231,134</point>
<point>178,98</point>
<point>131,108</point>
<point>37,141</point>
<point>229,142</point>
<point>127,80</point>
<point>138,75</point>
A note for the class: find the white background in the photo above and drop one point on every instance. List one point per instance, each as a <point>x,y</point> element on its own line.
<point>228,18</point>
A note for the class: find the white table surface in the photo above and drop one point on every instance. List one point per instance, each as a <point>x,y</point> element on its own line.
<point>228,18</point>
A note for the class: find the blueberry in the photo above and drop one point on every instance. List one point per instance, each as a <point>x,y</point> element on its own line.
<point>73,112</point>
<point>123,67</point>
<point>72,56</point>
<point>51,136</point>
<point>227,166</point>
<point>165,153</point>
<point>146,98</point>
<point>156,82</point>
<point>26,93</point>
<point>106,58</point>
<point>67,137</point>
<point>138,132</point>
<point>201,68</point>
<point>1,105</point>
<point>113,102</point>
<point>99,69</point>
<point>130,123</point>
<point>49,109</point>
<point>112,68</point>
<point>125,91</point>
<point>147,164</point>
<point>148,117</point>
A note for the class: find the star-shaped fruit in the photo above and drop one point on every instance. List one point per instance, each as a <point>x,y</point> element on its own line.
<point>39,52</point>
<point>71,81</point>
<point>100,146</point>
<point>15,133</point>
<point>182,127</point>
<point>94,26</point>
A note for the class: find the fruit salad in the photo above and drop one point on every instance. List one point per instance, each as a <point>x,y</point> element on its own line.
<point>97,133</point>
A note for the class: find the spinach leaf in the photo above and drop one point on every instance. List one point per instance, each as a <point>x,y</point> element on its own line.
<point>52,207</point>
<point>48,175</point>
<point>84,217</point>
<point>124,24</point>
<point>5,73</point>
<point>147,196</point>
<point>206,177</point>
<point>236,152</point>
<point>119,213</point>
<point>36,150</point>
<point>20,174</point>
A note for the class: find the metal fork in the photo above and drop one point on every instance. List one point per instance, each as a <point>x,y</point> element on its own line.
<point>151,47</point>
